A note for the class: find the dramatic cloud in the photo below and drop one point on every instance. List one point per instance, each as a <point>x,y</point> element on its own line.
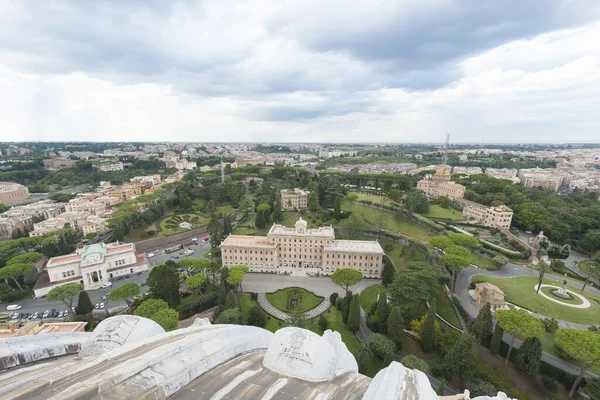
<point>403,70</point>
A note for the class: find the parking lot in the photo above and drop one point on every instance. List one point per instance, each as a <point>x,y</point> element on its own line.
<point>36,308</point>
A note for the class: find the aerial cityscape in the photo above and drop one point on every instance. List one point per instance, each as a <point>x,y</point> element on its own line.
<point>314,200</point>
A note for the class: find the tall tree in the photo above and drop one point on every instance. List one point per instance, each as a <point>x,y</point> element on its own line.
<point>351,199</point>
<point>84,304</point>
<point>542,268</point>
<point>529,356</point>
<point>167,318</point>
<point>518,323</point>
<point>226,225</point>
<point>413,286</point>
<point>14,271</point>
<point>354,316</point>
<point>441,242</point>
<point>257,317</point>
<point>150,307</point>
<point>417,202</point>
<point>483,325</point>
<point>395,326</point>
<point>353,227</point>
<point>462,239</point>
<point>388,273</point>
<point>215,233</point>
<point>460,361</point>
<point>582,346</point>
<point>246,206</point>
<point>382,312</point>
<point>455,263</point>
<point>277,214</point>
<point>164,284</point>
<point>362,358</point>
<point>337,209</point>
<point>235,278</point>
<point>196,280</point>
<point>496,339</point>
<point>125,292</point>
<point>346,277</point>
<point>428,334</point>
<point>262,216</point>
<point>65,293</point>
<point>313,201</point>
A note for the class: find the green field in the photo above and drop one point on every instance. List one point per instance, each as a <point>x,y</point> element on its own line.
<point>444,308</point>
<point>437,211</point>
<point>481,262</point>
<point>390,221</point>
<point>520,291</point>
<point>170,225</point>
<point>369,295</point>
<point>294,299</point>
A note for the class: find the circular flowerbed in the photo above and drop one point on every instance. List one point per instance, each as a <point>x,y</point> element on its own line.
<point>182,222</point>
<point>550,291</point>
<point>294,299</point>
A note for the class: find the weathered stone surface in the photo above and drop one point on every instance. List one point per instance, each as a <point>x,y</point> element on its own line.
<point>397,382</point>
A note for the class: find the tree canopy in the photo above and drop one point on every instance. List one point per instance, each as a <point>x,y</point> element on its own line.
<point>518,323</point>
<point>441,242</point>
<point>65,293</point>
<point>346,277</point>
<point>413,286</point>
<point>196,280</point>
<point>167,318</point>
<point>164,284</point>
<point>13,271</point>
<point>125,292</point>
<point>462,239</point>
<point>150,307</point>
<point>582,346</point>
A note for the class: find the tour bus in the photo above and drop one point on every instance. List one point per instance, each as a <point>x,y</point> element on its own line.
<point>173,249</point>
<point>13,307</point>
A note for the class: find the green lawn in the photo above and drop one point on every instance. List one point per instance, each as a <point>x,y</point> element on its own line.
<point>170,225</point>
<point>444,308</point>
<point>369,296</point>
<point>285,299</point>
<point>224,209</point>
<point>481,262</point>
<point>272,323</point>
<point>390,221</point>
<point>436,211</point>
<point>520,291</point>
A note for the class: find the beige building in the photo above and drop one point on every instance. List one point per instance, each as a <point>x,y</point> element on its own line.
<point>32,328</point>
<point>147,180</point>
<point>439,185</point>
<point>12,192</point>
<point>294,199</point>
<point>108,166</point>
<point>128,191</point>
<point>301,251</point>
<point>55,164</point>
<point>485,293</point>
<point>9,225</point>
<point>496,217</point>
<point>185,164</point>
<point>93,266</point>
<point>81,221</point>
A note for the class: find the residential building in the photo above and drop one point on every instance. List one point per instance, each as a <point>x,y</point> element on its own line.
<point>302,251</point>
<point>493,216</point>
<point>87,204</point>
<point>55,164</point>
<point>294,199</point>
<point>185,164</point>
<point>485,293</point>
<point>108,166</point>
<point>148,180</point>
<point>81,221</point>
<point>93,266</point>
<point>127,191</point>
<point>12,192</point>
<point>440,185</point>
<point>9,225</point>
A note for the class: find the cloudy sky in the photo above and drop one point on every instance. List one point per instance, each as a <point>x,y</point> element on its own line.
<point>300,71</point>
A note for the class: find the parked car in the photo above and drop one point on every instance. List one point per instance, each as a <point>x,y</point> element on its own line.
<point>150,255</point>
<point>175,257</point>
<point>54,314</point>
<point>15,315</point>
<point>104,297</point>
<point>34,316</point>
<point>96,306</point>
<point>60,314</point>
<point>127,276</point>
<point>13,307</point>
<point>46,314</point>
<point>107,285</point>
<point>143,284</point>
<point>101,305</point>
<point>139,273</point>
<point>205,239</point>
<point>66,313</point>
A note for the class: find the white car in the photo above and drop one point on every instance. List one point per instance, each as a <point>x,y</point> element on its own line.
<point>101,305</point>
<point>13,307</point>
<point>66,313</point>
<point>60,314</point>
<point>97,306</point>
<point>34,316</point>
<point>46,314</point>
<point>107,285</point>
<point>15,315</point>
<point>150,255</point>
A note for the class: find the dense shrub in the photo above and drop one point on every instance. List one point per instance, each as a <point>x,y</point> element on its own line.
<point>549,383</point>
<point>373,323</point>
<point>413,362</point>
<point>550,324</point>
<point>461,310</point>
<point>203,303</point>
<point>13,296</point>
<point>479,387</point>
<point>257,317</point>
<point>381,346</point>
<point>333,297</point>
<point>323,323</point>
<point>338,303</point>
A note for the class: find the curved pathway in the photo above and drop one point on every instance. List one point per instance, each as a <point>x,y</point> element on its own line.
<point>584,302</point>
<point>273,311</point>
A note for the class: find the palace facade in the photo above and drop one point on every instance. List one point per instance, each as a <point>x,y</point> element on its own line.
<point>302,251</point>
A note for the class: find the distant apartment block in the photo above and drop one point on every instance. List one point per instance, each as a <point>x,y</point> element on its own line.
<point>108,166</point>
<point>81,221</point>
<point>55,164</point>
<point>185,164</point>
<point>128,191</point>
<point>12,192</point>
<point>148,180</point>
<point>9,225</point>
<point>495,217</point>
<point>439,185</point>
<point>467,170</point>
<point>294,199</point>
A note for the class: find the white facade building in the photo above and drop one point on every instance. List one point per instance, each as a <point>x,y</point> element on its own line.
<point>92,265</point>
<point>108,166</point>
<point>302,251</point>
<point>294,199</point>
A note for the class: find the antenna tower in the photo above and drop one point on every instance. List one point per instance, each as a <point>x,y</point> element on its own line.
<point>446,147</point>
<point>222,170</point>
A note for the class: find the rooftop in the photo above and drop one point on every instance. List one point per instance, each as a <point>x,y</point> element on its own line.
<point>324,231</point>
<point>249,241</point>
<point>355,245</point>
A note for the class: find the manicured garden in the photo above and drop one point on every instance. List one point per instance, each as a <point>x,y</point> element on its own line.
<point>437,211</point>
<point>180,223</point>
<point>520,291</point>
<point>294,299</point>
<point>368,296</point>
<point>444,308</point>
<point>481,262</point>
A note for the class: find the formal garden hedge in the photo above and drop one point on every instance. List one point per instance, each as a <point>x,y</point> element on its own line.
<point>294,299</point>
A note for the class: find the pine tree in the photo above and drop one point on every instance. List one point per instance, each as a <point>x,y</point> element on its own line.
<point>226,225</point>
<point>337,209</point>
<point>277,214</point>
<point>395,326</point>
<point>388,273</point>
<point>496,339</point>
<point>84,304</point>
<point>354,316</point>
<point>482,327</point>
<point>382,312</point>
<point>529,356</point>
<point>428,334</point>
<point>231,300</point>
<point>460,361</point>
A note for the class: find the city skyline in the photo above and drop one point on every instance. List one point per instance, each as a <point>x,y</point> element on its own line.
<point>398,72</point>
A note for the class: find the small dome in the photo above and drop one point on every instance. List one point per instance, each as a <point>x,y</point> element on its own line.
<point>118,331</point>
<point>301,354</point>
<point>301,224</point>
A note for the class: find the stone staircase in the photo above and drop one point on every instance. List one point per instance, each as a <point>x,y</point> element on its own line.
<point>273,311</point>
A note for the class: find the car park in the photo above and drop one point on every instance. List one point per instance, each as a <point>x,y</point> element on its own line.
<point>46,314</point>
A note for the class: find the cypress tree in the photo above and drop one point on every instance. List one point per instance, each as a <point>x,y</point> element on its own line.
<point>231,300</point>
<point>482,327</point>
<point>277,214</point>
<point>84,304</point>
<point>354,315</point>
<point>382,312</point>
<point>460,361</point>
<point>226,225</point>
<point>387,360</point>
<point>388,273</point>
<point>529,356</point>
<point>496,339</point>
<point>337,209</point>
<point>428,334</point>
<point>346,306</point>
<point>362,358</point>
<point>395,326</point>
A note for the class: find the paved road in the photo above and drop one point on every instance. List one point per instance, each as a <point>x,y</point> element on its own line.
<point>510,271</point>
